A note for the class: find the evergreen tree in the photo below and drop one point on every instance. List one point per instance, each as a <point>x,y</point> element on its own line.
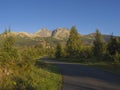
<point>73,43</point>
<point>98,44</point>
<point>114,49</point>
<point>118,41</point>
<point>58,52</point>
<point>113,46</point>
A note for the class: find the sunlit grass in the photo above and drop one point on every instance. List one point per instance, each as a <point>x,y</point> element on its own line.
<point>30,77</point>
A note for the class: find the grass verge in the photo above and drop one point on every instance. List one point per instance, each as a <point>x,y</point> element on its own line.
<point>108,66</point>
<point>52,77</point>
<point>112,67</point>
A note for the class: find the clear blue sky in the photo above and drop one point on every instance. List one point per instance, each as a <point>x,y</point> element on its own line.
<point>86,15</point>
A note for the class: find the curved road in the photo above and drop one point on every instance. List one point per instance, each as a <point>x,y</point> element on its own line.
<point>81,77</point>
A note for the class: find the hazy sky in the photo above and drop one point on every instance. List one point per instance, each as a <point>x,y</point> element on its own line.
<point>86,15</point>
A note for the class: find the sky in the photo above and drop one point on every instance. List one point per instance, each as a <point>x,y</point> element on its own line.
<point>87,15</point>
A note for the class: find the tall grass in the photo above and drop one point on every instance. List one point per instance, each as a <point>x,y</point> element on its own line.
<point>29,77</point>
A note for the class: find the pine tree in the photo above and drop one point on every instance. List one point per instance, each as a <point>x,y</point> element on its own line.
<point>58,52</point>
<point>119,45</point>
<point>114,49</point>
<point>113,46</point>
<point>73,43</point>
<point>98,44</point>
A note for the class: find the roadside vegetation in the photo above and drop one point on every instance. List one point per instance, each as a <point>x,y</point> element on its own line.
<point>22,69</point>
<point>111,67</point>
<point>100,53</point>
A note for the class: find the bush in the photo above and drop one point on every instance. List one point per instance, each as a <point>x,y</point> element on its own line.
<point>117,58</point>
<point>86,52</point>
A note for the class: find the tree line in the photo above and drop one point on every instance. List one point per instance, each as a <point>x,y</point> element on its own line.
<point>100,50</point>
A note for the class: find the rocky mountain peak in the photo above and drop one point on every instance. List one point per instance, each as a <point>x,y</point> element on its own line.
<point>43,33</point>
<point>61,33</point>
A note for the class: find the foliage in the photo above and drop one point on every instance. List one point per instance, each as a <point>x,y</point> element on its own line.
<point>113,49</point>
<point>117,57</point>
<point>113,46</point>
<point>86,52</point>
<point>98,51</point>
<point>73,43</point>
<point>58,52</point>
<point>98,44</point>
<point>8,50</point>
<point>118,40</point>
<point>19,69</point>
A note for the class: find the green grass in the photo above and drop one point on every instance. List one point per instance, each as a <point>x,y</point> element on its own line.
<point>52,78</point>
<point>30,77</point>
<point>108,66</point>
<point>112,67</point>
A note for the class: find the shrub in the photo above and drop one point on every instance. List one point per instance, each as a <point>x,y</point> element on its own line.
<point>117,58</point>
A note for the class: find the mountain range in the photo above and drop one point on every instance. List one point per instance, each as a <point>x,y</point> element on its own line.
<point>55,35</point>
<point>59,33</point>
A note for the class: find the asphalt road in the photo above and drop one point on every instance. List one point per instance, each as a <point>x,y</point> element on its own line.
<point>81,77</point>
